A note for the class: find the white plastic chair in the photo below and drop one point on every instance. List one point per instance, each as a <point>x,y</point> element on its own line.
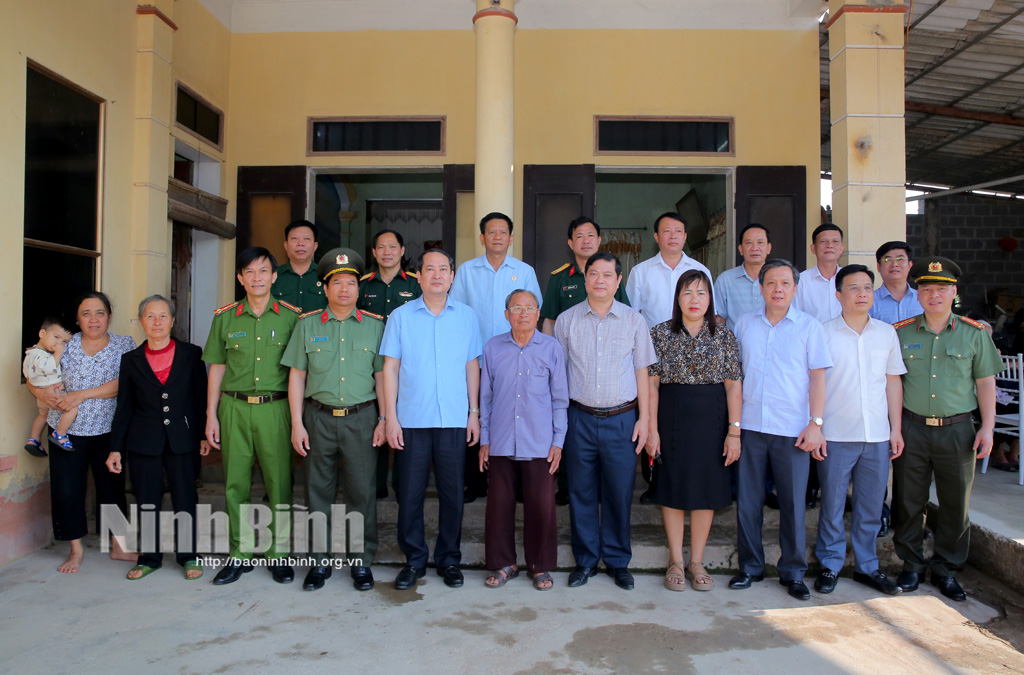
<point>1009,424</point>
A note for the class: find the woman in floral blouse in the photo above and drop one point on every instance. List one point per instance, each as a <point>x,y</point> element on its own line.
<point>695,397</point>
<point>90,365</point>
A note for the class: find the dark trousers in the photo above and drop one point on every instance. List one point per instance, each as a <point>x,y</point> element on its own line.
<point>540,531</point>
<point>601,465</point>
<point>790,465</point>
<point>946,453</point>
<point>476,482</point>
<point>69,472</point>
<point>147,472</point>
<point>383,466</point>
<point>446,448</point>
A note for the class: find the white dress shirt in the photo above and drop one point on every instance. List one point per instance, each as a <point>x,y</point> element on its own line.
<point>856,410</point>
<point>777,361</point>
<point>816,295</point>
<point>652,285</point>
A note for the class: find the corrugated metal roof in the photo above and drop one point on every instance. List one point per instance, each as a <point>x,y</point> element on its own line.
<point>967,55</point>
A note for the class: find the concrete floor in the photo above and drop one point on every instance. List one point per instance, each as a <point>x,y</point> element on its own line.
<point>96,620</point>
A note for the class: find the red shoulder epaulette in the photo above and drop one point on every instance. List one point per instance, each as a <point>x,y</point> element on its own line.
<point>315,311</point>
<point>289,306</point>
<point>905,322</point>
<point>221,310</point>
<point>972,322</point>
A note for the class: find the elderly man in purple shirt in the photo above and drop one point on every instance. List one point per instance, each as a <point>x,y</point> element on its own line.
<point>524,395</point>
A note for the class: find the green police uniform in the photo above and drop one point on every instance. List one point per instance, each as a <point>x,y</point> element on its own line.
<point>566,289</point>
<point>253,414</point>
<point>380,298</point>
<point>340,358</point>
<point>938,398</point>
<point>305,292</point>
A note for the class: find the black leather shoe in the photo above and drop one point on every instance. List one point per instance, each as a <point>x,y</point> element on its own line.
<point>812,499</point>
<point>468,497</point>
<point>408,577</point>
<point>283,574</point>
<point>382,493</point>
<point>452,575</point>
<point>826,582</point>
<point>623,577</point>
<point>883,531</point>
<point>908,581</point>
<point>362,578</point>
<point>315,578</point>
<point>949,587</point>
<point>232,572</point>
<point>562,498</point>
<point>646,497</point>
<point>580,576</point>
<point>797,589</point>
<point>771,500</point>
<point>878,581</point>
<point>744,580</point>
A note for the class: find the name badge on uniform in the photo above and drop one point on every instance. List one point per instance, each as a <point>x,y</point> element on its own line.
<point>318,338</point>
<point>236,335</point>
<point>912,346</point>
<point>404,294</point>
<point>570,288</point>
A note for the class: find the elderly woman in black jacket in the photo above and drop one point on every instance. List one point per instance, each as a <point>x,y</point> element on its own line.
<point>160,421</point>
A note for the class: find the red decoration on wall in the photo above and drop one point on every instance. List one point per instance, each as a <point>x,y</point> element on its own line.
<point>1008,244</point>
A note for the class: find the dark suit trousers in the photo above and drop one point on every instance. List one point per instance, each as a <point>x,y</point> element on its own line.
<point>147,472</point>
<point>69,474</point>
<point>790,465</point>
<point>446,448</point>
<point>540,531</point>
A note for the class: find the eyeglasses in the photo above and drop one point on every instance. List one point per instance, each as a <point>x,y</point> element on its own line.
<point>899,260</point>
<point>855,289</point>
<point>519,309</point>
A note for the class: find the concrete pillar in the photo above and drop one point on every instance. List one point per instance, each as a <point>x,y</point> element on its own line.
<point>154,92</point>
<point>495,24</point>
<point>868,144</point>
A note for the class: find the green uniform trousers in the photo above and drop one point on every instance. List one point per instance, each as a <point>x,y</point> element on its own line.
<point>945,452</point>
<point>341,445</point>
<point>249,432</point>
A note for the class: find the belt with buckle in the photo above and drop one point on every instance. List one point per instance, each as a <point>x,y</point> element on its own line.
<point>256,400</point>
<point>605,412</point>
<point>937,421</point>
<point>343,411</point>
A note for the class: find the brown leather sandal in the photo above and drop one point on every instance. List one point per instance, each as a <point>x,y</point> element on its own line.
<point>541,578</point>
<point>501,577</point>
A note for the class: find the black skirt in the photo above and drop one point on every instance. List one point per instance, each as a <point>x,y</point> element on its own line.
<point>692,422</point>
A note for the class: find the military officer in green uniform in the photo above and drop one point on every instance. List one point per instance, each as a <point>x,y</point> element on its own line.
<point>381,293</point>
<point>247,414</point>
<point>566,290</point>
<point>336,371</point>
<point>297,281</point>
<point>948,359</point>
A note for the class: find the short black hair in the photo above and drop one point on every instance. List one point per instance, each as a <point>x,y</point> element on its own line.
<point>604,255</point>
<point>495,215</point>
<point>892,246</point>
<point>58,321</point>
<point>582,220</point>
<point>301,223</point>
<point>419,259</point>
<point>94,295</point>
<point>852,269</point>
<point>669,214</point>
<point>825,227</point>
<point>251,255</point>
<point>398,237</point>
<point>778,262</point>
<point>755,226</point>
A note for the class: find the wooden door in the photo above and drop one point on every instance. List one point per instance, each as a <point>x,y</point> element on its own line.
<point>776,197</point>
<point>459,185</point>
<point>269,197</point>
<point>553,195</point>
<point>181,281</point>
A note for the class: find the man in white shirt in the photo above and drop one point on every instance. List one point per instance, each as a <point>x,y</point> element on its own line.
<point>652,283</point>
<point>817,292</point>
<point>736,290</point>
<point>863,431</point>
<point>784,361</point>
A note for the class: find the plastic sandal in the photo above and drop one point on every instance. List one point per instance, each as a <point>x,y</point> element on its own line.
<point>145,569</point>
<point>501,577</point>
<point>675,581</point>
<point>192,565</point>
<point>35,448</point>
<point>699,577</point>
<point>539,579</point>
<point>62,440</point>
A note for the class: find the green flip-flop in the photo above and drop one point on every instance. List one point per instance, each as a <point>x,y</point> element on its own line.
<point>193,565</point>
<point>145,569</point>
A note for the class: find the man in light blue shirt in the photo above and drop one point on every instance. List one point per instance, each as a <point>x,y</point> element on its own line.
<point>784,360</point>
<point>431,392</point>
<point>483,283</point>
<point>737,290</point>
<point>895,300</point>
